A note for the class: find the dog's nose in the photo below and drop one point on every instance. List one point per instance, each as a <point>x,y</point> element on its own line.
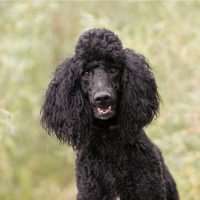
<point>102,99</point>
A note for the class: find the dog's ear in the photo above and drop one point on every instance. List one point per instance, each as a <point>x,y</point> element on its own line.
<point>140,99</point>
<point>65,111</point>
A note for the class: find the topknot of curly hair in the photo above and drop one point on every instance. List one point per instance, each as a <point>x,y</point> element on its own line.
<point>99,44</point>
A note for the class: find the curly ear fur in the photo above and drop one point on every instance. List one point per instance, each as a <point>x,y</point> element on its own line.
<point>65,112</point>
<point>140,99</point>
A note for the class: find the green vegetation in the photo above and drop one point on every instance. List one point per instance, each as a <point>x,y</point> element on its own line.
<point>35,36</point>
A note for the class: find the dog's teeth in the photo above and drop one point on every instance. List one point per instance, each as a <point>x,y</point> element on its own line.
<point>103,111</point>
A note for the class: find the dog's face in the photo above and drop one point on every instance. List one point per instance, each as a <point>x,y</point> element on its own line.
<point>100,82</point>
<point>101,86</point>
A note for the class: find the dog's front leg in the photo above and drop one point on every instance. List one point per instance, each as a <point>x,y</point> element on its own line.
<point>142,183</point>
<point>92,192</point>
<point>129,189</point>
<point>91,182</point>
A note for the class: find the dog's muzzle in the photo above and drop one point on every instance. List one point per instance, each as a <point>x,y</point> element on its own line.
<point>103,105</point>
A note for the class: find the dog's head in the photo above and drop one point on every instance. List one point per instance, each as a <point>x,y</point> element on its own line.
<point>103,54</point>
<point>101,81</point>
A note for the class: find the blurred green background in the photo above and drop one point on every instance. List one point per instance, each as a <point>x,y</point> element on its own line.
<point>36,36</point>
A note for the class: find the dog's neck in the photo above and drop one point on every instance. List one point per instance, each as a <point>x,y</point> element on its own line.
<point>110,124</point>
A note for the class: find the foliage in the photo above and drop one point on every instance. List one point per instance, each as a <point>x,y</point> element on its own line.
<point>36,36</point>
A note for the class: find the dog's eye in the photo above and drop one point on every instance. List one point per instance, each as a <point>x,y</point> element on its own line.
<point>86,74</point>
<point>114,70</point>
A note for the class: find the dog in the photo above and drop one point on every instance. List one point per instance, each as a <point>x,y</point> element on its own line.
<point>99,101</point>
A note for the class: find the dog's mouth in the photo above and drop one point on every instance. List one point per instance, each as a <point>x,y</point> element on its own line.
<point>104,113</point>
<point>104,110</point>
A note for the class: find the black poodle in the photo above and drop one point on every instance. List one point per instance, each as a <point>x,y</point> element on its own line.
<point>98,102</point>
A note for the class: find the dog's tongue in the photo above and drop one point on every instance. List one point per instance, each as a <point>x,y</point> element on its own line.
<point>104,107</point>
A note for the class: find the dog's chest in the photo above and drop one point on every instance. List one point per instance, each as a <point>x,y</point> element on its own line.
<point>107,162</point>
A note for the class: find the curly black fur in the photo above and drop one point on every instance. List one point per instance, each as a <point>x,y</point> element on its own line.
<point>112,163</point>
